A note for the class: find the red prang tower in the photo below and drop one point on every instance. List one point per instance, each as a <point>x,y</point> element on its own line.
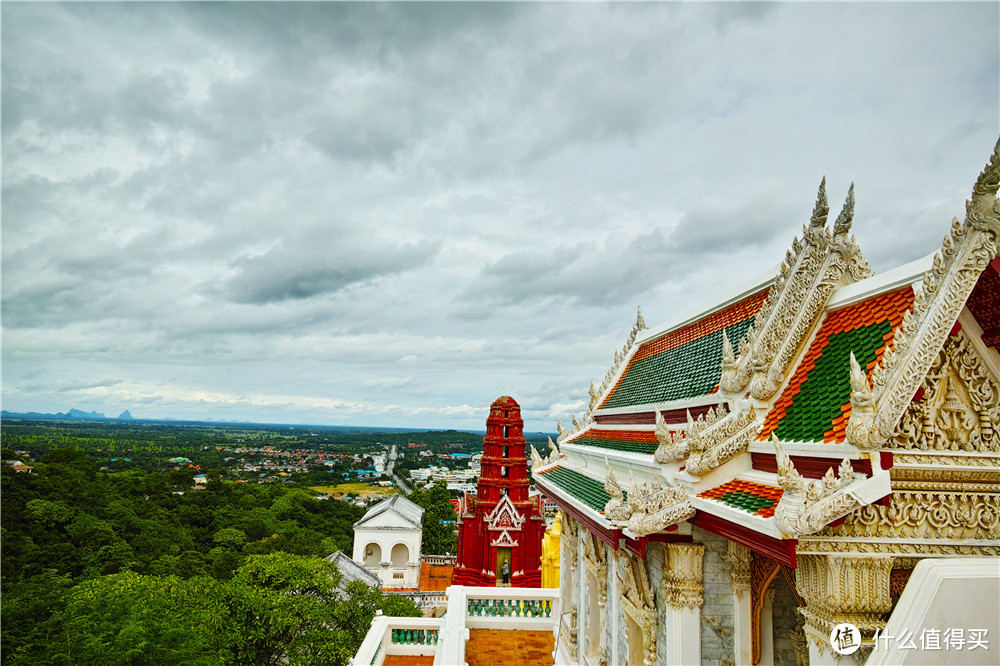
<point>500,523</point>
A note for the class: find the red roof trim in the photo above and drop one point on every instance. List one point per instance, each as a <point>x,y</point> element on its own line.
<point>780,550</point>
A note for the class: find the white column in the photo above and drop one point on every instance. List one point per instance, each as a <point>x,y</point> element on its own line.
<point>767,629</point>
<point>683,579</point>
<point>615,593</point>
<point>739,558</point>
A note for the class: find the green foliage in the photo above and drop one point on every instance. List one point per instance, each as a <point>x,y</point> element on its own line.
<point>439,530</point>
<point>118,567</point>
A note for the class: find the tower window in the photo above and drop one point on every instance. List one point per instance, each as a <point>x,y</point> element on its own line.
<point>503,472</point>
<point>506,429</point>
<point>506,452</point>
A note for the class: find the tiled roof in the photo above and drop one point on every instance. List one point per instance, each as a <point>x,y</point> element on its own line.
<point>351,571</point>
<point>585,489</point>
<point>683,363</point>
<point>755,498</point>
<point>634,441</point>
<point>816,403</point>
<point>398,505</point>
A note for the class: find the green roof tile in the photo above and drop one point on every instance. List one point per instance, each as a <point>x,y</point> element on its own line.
<point>585,489</point>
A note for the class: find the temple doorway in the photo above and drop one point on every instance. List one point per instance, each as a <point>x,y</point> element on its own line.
<point>503,567</point>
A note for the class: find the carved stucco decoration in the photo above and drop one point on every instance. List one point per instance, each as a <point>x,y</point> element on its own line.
<point>956,268</point>
<point>596,561</point>
<point>673,445</point>
<point>676,446</point>
<point>931,515</point>
<point>776,351</point>
<point>800,646</point>
<point>911,548</point>
<point>805,281</point>
<point>738,557</point>
<point>719,442</point>
<point>568,538</point>
<point>959,408</point>
<point>656,506</point>
<point>537,461</point>
<point>808,506</point>
<point>683,585</point>
<point>843,588</point>
<point>638,602</point>
<point>616,509</point>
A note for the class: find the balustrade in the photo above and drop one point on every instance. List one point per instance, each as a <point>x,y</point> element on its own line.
<point>508,608</point>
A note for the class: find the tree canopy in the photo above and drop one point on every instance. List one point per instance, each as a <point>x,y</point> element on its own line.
<point>135,567</point>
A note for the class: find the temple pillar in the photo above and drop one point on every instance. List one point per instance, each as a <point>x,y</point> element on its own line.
<point>739,559</point>
<point>568,586</point>
<point>767,629</point>
<point>842,588</point>
<point>683,591</point>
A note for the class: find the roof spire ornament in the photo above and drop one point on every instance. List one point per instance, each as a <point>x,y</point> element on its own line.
<point>983,209</point>
<point>821,209</point>
<point>640,323</point>
<point>843,223</point>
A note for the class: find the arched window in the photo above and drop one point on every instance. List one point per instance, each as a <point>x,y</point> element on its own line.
<point>400,555</point>
<point>373,555</point>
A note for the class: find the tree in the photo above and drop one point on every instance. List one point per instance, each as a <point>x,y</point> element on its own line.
<point>439,535</point>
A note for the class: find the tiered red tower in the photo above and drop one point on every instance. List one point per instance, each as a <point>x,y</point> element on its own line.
<point>500,523</point>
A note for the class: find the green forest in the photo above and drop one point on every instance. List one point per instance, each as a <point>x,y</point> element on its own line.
<point>135,567</point>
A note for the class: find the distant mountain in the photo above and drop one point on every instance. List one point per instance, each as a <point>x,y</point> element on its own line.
<point>125,416</point>
<point>78,414</point>
<point>72,414</point>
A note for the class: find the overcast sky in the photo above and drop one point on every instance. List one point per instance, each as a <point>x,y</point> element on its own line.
<point>391,214</point>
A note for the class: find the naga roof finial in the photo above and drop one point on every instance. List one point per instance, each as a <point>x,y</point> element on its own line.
<point>843,223</point>
<point>989,180</point>
<point>640,323</point>
<point>821,209</point>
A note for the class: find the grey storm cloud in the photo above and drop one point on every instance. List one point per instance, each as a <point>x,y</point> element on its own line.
<point>287,272</point>
<point>391,213</point>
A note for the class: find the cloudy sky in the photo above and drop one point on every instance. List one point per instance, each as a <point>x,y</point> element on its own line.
<point>391,214</point>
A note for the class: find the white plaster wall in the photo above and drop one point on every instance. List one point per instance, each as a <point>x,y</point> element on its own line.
<point>717,613</point>
<point>387,539</point>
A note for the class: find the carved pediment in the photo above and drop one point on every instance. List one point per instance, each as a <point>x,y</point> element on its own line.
<point>504,516</point>
<point>959,405</point>
<point>504,540</point>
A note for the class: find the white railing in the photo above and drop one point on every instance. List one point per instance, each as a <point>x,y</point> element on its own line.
<point>417,636</point>
<point>439,560</point>
<point>510,608</point>
<point>425,599</point>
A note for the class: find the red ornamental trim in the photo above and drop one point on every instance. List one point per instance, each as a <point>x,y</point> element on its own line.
<point>807,466</point>
<point>670,417</point>
<point>780,550</point>
<point>638,546</point>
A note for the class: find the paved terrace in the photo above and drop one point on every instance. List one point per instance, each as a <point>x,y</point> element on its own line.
<point>484,626</point>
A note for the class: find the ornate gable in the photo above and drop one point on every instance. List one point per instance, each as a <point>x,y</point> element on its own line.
<point>957,407</point>
<point>504,517</point>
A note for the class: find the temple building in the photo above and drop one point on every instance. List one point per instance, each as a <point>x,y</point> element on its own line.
<point>818,448</point>
<point>805,471</point>
<point>387,542</point>
<point>500,528</point>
